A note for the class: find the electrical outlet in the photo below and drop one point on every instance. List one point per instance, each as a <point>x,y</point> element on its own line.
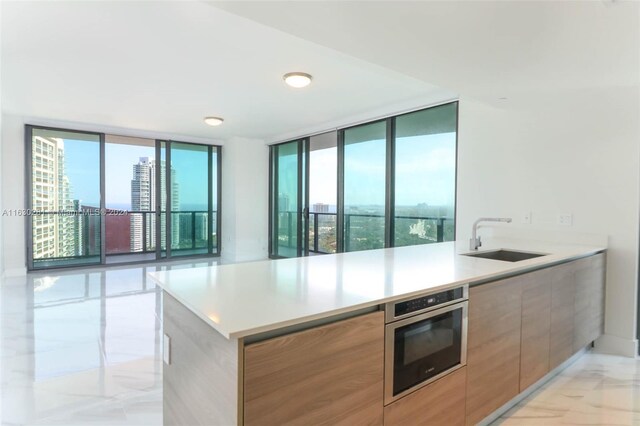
<point>526,217</point>
<point>166,352</point>
<point>565,219</point>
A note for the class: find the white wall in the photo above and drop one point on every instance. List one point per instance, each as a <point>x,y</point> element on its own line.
<point>12,172</point>
<point>1,245</point>
<point>572,153</point>
<point>245,187</point>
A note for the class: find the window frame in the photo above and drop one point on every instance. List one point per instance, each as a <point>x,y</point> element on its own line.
<point>390,176</point>
<point>28,196</point>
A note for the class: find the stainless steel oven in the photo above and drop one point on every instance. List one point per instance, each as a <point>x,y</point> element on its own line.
<point>425,338</point>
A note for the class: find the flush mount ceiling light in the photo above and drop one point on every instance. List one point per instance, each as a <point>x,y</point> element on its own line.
<point>297,79</point>
<point>213,121</point>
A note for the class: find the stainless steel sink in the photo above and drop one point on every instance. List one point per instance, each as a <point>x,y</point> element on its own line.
<point>505,255</point>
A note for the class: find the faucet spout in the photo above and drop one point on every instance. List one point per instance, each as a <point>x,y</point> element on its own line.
<point>475,241</point>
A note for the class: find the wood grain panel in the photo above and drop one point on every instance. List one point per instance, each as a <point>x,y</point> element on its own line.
<point>201,383</point>
<point>582,324</point>
<point>562,314</point>
<point>598,299</point>
<point>331,374</point>
<point>589,302</point>
<point>439,403</point>
<point>493,355</point>
<point>536,323</point>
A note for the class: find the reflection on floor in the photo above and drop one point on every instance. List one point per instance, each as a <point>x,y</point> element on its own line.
<point>595,390</point>
<point>83,347</point>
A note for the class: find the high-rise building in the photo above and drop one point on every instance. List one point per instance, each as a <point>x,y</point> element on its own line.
<point>283,202</point>
<point>194,227</point>
<point>320,208</point>
<point>143,199</point>
<point>55,228</point>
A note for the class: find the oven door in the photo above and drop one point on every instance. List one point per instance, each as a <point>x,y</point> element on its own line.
<point>421,349</point>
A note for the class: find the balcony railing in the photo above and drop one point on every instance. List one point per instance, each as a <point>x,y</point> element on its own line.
<point>190,230</point>
<point>366,229</point>
<point>76,234</point>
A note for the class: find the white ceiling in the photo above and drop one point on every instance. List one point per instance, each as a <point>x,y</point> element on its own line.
<point>163,66</point>
<point>484,49</point>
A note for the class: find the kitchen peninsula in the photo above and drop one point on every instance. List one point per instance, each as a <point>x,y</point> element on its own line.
<point>303,340</point>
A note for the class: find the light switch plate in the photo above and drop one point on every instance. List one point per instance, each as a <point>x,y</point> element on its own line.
<point>166,349</point>
<point>565,219</point>
<point>526,217</point>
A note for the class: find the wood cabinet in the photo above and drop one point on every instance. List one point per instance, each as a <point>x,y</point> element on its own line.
<point>562,314</point>
<point>493,354</point>
<point>332,374</point>
<point>536,323</point>
<point>589,300</point>
<point>439,403</point>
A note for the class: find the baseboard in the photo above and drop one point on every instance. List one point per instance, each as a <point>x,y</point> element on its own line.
<point>14,272</point>
<point>614,345</point>
<point>531,389</point>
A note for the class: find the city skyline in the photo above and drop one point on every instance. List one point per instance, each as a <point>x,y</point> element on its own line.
<point>143,198</point>
<point>57,235</point>
<point>58,171</point>
<point>425,173</point>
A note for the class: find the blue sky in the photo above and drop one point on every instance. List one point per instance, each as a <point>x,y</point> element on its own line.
<point>82,160</point>
<point>425,172</point>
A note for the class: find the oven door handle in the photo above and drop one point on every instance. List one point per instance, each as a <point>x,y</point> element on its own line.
<point>427,315</point>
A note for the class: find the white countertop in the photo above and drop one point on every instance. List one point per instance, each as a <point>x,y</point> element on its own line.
<point>244,299</point>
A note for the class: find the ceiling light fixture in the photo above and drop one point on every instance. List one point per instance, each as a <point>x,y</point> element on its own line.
<point>297,79</point>
<point>213,121</point>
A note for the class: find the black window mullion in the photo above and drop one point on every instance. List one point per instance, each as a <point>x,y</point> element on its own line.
<point>167,189</point>
<point>218,200</point>
<point>298,213</point>
<point>273,190</point>
<point>340,201</point>
<point>209,199</point>
<point>307,157</point>
<point>28,136</point>
<point>158,197</point>
<point>455,199</point>
<point>389,211</point>
<point>103,211</point>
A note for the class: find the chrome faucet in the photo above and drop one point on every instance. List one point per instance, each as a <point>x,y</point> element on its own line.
<point>475,242</point>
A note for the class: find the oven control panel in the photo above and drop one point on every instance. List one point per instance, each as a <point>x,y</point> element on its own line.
<point>400,309</point>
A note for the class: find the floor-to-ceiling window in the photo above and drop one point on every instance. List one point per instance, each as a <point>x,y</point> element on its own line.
<point>393,182</point>
<point>65,198</point>
<point>323,192</point>
<point>193,222</point>
<point>365,153</point>
<point>130,198</point>
<point>425,176</point>
<point>286,199</point>
<point>98,199</point>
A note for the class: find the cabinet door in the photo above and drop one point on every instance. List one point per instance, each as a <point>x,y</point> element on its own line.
<point>597,300</point>
<point>493,353</point>
<point>589,302</point>
<point>582,322</point>
<point>438,403</point>
<point>562,313</point>
<point>331,374</point>
<point>536,322</point>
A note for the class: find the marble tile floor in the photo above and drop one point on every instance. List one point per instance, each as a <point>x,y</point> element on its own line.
<point>83,348</point>
<point>596,390</point>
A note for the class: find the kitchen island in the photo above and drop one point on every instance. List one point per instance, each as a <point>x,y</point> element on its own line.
<point>302,340</point>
